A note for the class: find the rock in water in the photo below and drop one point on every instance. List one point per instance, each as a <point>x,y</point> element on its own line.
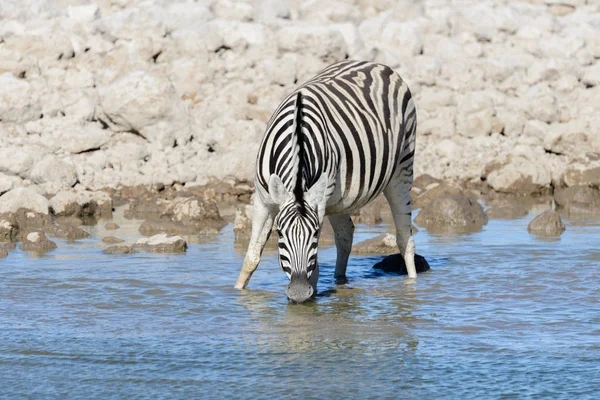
<point>395,263</point>
<point>452,212</point>
<point>37,242</point>
<point>120,249</point>
<point>162,243</point>
<point>547,223</point>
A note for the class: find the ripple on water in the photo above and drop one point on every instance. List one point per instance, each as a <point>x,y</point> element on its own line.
<point>502,313</point>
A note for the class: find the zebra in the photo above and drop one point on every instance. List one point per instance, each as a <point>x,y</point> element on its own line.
<point>332,146</point>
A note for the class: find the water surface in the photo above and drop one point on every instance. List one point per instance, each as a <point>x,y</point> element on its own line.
<point>502,314</point>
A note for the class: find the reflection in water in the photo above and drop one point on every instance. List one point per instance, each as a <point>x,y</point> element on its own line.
<point>501,313</point>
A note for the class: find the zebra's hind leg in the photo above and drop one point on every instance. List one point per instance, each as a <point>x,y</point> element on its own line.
<point>398,196</point>
<point>343,229</point>
<point>262,223</point>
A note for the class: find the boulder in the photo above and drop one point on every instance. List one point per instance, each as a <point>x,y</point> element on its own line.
<point>395,263</point>
<point>19,100</point>
<point>6,184</point>
<point>15,161</point>
<point>81,204</point>
<point>52,169</point>
<point>37,242</point>
<point>578,194</point>
<point>69,232</point>
<point>452,212</point>
<point>111,226</point>
<point>382,244</point>
<point>519,175</point>
<point>23,198</point>
<point>120,249</point>
<point>433,191</point>
<point>147,105</point>
<point>162,243</point>
<point>112,240</point>
<point>582,173</point>
<point>506,212</point>
<point>547,223</point>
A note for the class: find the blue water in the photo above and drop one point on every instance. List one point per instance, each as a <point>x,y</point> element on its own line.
<point>502,314</point>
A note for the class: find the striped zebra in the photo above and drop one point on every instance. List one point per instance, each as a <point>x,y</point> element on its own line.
<point>332,146</point>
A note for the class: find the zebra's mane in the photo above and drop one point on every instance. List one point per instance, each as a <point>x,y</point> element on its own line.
<point>298,187</point>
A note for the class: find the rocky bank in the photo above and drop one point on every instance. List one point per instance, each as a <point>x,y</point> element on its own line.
<point>113,93</point>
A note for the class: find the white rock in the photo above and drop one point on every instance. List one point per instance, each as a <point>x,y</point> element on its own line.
<point>19,101</point>
<point>13,200</point>
<point>233,10</point>
<point>53,170</point>
<point>520,175</point>
<point>324,42</point>
<point>15,161</point>
<point>572,138</point>
<point>88,137</point>
<point>6,184</point>
<point>541,104</point>
<point>84,13</point>
<point>34,237</point>
<point>591,75</point>
<point>146,104</point>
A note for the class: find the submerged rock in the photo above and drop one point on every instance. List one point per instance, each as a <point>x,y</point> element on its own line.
<point>395,263</point>
<point>70,232</point>
<point>112,240</point>
<point>37,242</point>
<point>111,226</point>
<point>120,249</point>
<point>3,252</point>
<point>507,212</point>
<point>162,243</point>
<point>455,212</point>
<point>547,223</point>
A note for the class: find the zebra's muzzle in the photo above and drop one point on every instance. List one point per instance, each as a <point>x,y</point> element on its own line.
<point>299,290</point>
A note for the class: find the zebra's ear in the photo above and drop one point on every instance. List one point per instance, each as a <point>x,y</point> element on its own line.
<point>316,194</point>
<point>277,190</point>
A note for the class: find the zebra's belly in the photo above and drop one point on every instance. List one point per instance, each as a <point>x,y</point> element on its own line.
<point>339,203</point>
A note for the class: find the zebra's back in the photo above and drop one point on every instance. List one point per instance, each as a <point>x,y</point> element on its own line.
<point>358,127</point>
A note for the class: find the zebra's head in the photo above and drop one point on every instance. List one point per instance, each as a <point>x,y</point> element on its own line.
<point>298,227</point>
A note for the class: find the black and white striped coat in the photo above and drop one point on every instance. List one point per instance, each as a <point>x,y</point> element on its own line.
<point>331,147</point>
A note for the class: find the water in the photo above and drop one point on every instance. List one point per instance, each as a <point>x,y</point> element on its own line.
<point>502,314</point>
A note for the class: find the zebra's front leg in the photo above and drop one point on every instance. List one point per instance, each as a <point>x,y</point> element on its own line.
<point>343,229</point>
<point>398,196</point>
<point>262,223</point>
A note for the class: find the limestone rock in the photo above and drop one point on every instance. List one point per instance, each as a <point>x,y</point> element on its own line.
<point>452,212</point>
<point>110,226</point>
<point>37,242</point>
<point>23,198</point>
<point>323,42</point>
<point>147,105</point>
<point>578,194</point>
<point>120,249</point>
<point>382,244</point>
<point>15,161</point>
<point>433,191</point>
<point>52,169</point>
<point>547,223</point>
<point>19,100</point>
<point>518,175</point>
<point>112,240</point>
<point>582,173</point>
<point>81,204</point>
<point>162,243</point>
